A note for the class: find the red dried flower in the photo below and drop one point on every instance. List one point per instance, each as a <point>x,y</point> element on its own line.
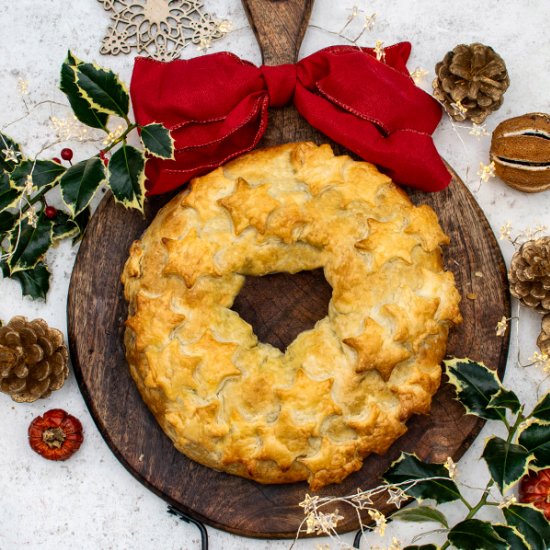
<point>535,488</point>
<point>56,435</point>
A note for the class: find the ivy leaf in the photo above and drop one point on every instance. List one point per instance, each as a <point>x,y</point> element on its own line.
<point>102,89</point>
<point>512,536</point>
<point>421,514</point>
<point>81,108</point>
<point>507,462</point>
<point>542,409</point>
<point>536,439</point>
<point>158,141</point>
<point>35,282</point>
<point>80,182</point>
<point>9,196</point>
<point>474,534</point>
<point>531,524</point>
<point>64,226</point>
<point>7,222</point>
<point>43,172</point>
<point>475,386</point>
<point>127,176</point>
<point>409,467</point>
<point>7,143</point>
<point>505,398</point>
<point>30,243</point>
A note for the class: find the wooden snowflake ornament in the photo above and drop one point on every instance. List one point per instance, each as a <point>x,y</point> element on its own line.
<point>159,28</point>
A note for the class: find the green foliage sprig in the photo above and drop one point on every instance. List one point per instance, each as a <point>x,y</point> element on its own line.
<point>525,447</point>
<point>27,228</point>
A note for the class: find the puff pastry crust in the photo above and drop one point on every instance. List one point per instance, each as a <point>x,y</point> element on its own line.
<point>343,389</point>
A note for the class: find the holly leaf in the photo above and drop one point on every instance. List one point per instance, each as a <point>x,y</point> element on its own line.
<point>512,536</point>
<point>505,399</point>
<point>9,195</point>
<point>81,222</point>
<point>507,462</point>
<point>29,243</point>
<point>102,89</point>
<point>475,386</point>
<point>421,547</point>
<point>474,534</point>
<point>35,282</point>
<point>127,176</point>
<point>542,409</point>
<point>158,141</point>
<point>420,514</point>
<point>409,467</point>
<point>536,439</point>
<point>531,524</point>
<point>7,222</point>
<point>80,106</point>
<point>8,148</point>
<point>64,226</point>
<point>80,182</point>
<point>42,172</point>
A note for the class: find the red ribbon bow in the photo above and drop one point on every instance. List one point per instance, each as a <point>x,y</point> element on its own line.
<point>216,107</point>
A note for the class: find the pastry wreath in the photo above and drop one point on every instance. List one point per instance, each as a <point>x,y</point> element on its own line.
<point>343,389</point>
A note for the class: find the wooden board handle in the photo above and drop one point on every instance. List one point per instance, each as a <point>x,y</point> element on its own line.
<point>279,26</point>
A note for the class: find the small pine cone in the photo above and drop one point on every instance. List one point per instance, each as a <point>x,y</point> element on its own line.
<point>470,82</point>
<point>543,341</point>
<point>33,359</point>
<point>529,274</point>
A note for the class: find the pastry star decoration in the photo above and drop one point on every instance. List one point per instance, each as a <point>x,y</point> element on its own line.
<point>249,206</point>
<point>189,258</point>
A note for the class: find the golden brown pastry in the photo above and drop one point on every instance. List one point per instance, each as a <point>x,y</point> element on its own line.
<point>343,389</point>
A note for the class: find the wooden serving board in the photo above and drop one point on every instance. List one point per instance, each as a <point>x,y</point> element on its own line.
<point>278,306</point>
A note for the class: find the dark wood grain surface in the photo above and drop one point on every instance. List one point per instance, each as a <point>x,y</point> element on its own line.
<point>278,306</point>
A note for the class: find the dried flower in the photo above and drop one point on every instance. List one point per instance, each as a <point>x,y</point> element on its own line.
<point>541,360</point>
<point>486,171</point>
<point>32,216</point>
<point>505,232</point>
<point>501,327</point>
<point>379,50</point>
<point>478,130</point>
<point>380,520</point>
<point>419,74</point>
<point>28,189</point>
<point>451,466</point>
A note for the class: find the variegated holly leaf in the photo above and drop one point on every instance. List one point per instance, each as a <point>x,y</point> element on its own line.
<point>42,173</point>
<point>536,439</point>
<point>420,514</point>
<point>81,222</point>
<point>80,182</point>
<point>102,89</point>
<point>10,153</point>
<point>474,534</point>
<point>507,399</point>
<point>34,282</point>
<point>157,141</point>
<point>531,524</point>
<point>507,462</point>
<point>28,244</point>
<point>475,386</point>
<point>409,467</point>
<point>9,195</point>
<point>80,106</point>
<point>421,547</point>
<point>64,226</point>
<point>127,176</point>
<point>512,536</point>
<point>542,409</point>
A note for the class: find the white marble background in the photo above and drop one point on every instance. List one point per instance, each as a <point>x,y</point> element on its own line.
<point>91,501</point>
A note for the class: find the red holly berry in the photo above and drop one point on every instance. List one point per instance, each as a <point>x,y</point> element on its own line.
<point>67,154</point>
<point>56,159</point>
<point>535,488</point>
<point>103,157</point>
<point>56,435</point>
<point>50,212</point>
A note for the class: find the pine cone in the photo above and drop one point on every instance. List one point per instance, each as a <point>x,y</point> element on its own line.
<point>33,359</point>
<point>529,274</point>
<point>543,341</point>
<point>470,82</point>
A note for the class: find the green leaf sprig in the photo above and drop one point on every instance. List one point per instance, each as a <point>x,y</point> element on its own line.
<point>28,226</point>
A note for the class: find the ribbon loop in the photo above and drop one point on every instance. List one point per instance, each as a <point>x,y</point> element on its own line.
<point>281,83</point>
